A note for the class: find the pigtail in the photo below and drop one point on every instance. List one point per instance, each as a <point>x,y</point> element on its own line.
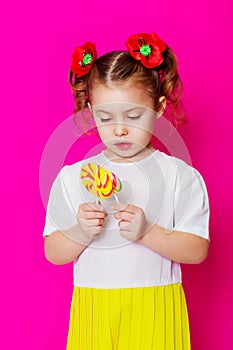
<point>171,86</point>
<point>79,89</point>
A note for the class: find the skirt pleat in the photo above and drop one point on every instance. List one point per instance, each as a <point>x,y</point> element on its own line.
<point>142,318</point>
<point>124,322</point>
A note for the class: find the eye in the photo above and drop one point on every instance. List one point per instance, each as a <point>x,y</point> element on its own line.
<point>104,120</point>
<point>134,117</point>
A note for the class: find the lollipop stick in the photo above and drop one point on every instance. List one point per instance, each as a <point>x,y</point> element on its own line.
<point>116,198</point>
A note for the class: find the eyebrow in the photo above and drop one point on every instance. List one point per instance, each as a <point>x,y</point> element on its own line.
<point>129,110</point>
<point>102,111</point>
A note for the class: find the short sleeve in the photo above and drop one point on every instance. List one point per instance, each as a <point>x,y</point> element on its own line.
<point>191,211</point>
<point>59,213</point>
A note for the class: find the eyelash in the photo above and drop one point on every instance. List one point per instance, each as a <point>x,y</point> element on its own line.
<point>104,120</point>
<point>133,118</point>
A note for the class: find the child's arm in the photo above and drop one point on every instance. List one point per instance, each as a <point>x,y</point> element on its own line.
<point>179,246</point>
<point>64,246</point>
<point>60,250</point>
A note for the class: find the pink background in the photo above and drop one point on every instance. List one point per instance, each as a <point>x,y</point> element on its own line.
<point>37,40</point>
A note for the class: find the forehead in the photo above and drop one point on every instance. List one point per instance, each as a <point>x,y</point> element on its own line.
<point>123,94</point>
<point>120,108</point>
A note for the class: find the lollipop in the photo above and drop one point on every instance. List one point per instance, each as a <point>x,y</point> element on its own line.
<point>99,181</point>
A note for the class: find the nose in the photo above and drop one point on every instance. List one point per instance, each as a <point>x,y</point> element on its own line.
<point>120,129</point>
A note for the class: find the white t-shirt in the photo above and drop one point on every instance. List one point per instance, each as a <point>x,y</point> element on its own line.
<point>171,193</point>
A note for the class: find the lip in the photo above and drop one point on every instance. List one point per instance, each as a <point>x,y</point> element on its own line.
<point>123,145</point>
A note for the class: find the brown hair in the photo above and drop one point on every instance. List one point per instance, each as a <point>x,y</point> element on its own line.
<point>118,67</point>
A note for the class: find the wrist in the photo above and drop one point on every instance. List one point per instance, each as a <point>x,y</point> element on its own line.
<point>147,230</point>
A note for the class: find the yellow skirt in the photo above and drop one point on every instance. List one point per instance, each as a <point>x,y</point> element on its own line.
<point>142,318</point>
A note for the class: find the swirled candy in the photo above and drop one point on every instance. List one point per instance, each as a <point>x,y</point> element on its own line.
<point>99,181</point>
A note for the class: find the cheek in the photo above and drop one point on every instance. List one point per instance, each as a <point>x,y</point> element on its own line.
<point>149,125</point>
<point>146,125</point>
<point>145,137</point>
<point>104,132</point>
<point>143,132</point>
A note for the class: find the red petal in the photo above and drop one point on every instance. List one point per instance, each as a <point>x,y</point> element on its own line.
<point>77,58</point>
<point>89,47</point>
<point>158,42</point>
<point>135,41</point>
<point>154,59</point>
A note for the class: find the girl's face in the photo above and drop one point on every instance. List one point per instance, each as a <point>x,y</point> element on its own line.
<point>125,121</point>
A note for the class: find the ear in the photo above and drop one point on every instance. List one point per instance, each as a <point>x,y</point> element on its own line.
<point>162,102</point>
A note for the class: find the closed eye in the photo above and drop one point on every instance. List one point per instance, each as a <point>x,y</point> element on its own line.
<point>104,120</point>
<point>134,117</point>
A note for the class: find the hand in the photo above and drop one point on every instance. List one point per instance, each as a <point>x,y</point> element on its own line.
<point>91,220</point>
<point>133,223</point>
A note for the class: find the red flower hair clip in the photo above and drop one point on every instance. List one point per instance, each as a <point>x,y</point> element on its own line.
<point>83,58</point>
<point>146,48</point>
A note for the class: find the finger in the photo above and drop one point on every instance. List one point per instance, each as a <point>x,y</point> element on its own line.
<point>94,214</point>
<point>93,222</point>
<point>124,207</point>
<point>124,215</point>
<point>90,206</point>
<point>124,225</point>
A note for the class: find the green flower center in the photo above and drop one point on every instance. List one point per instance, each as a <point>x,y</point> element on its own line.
<point>87,58</point>
<point>145,50</point>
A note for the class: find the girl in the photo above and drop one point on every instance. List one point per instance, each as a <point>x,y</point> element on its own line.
<point>128,291</point>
